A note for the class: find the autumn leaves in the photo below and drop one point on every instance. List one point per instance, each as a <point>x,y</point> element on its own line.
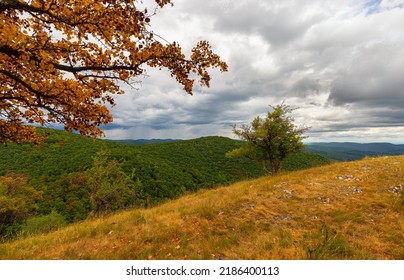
<point>62,61</point>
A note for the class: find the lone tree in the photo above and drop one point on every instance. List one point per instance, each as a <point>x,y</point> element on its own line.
<point>271,139</point>
<point>62,61</point>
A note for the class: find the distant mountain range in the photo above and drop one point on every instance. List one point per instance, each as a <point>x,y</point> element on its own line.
<point>348,151</point>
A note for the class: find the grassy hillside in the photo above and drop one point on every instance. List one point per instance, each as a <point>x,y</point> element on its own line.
<point>341,211</point>
<point>60,169</point>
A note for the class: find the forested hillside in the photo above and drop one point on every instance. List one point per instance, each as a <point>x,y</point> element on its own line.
<point>70,177</point>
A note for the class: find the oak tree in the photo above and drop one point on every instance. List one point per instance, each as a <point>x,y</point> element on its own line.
<point>272,138</point>
<point>62,61</point>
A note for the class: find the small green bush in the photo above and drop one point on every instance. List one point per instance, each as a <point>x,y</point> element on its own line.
<point>42,224</point>
<point>329,244</point>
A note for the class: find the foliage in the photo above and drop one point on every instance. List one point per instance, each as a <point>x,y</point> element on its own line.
<point>17,202</point>
<point>62,61</point>
<point>304,160</point>
<point>43,224</point>
<point>110,188</point>
<point>68,195</point>
<point>271,139</point>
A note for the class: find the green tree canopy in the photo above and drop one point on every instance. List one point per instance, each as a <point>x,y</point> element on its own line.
<point>110,188</point>
<point>270,139</point>
<point>17,202</point>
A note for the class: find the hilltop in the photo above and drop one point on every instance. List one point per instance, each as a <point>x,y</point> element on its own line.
<point>64,153</point>
<point>146,141</point>
<point>350,210</point>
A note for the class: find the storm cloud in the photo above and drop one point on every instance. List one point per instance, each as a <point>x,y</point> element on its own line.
<point>340,62</point>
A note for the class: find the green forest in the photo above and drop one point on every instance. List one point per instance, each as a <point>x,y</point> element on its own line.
<point>69,177</point>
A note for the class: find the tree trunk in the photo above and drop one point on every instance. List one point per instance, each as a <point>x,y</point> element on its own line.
<point>264,166</point>
<point>275,166</point>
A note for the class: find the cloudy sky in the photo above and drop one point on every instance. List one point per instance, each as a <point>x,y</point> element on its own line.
<point>341,62</point>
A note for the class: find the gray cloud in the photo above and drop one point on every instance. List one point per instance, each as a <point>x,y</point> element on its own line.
<point>341,62</point>
<point>373,78</point>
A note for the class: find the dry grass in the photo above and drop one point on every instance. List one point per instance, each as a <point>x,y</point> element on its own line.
<point>340,211</point>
